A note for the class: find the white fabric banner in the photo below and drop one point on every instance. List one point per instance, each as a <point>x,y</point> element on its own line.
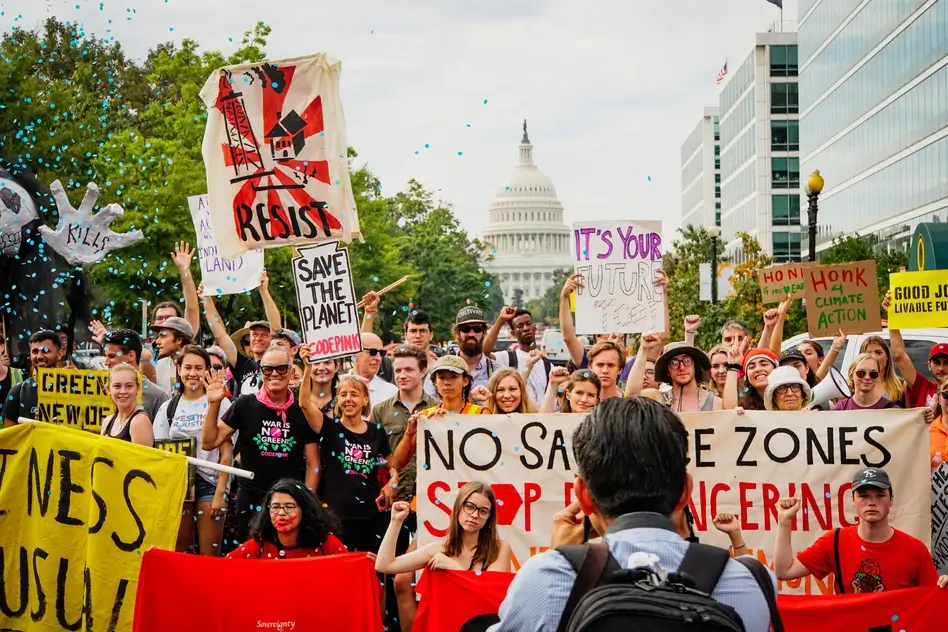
<point>221,275</point>
<point>276,155</point>
<point>740,464</point>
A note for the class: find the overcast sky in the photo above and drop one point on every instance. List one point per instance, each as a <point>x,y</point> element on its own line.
<point>610,88</point>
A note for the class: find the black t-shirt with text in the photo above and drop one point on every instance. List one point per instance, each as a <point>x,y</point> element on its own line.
<point>269,447</point>
<point>350,464</point>
<point>247,377</point>
<point>22,401</point>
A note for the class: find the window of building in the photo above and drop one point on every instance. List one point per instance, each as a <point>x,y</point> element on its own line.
<point>717,192</point>
<point>783,61</point>
<point>785,135</point>
<point>787,247</point>
<point>717,163</point>
<point>717,178</point>
<point>784,98</point>
<point>785,173</point>
<point>785,210</point>
<point>717,130</point>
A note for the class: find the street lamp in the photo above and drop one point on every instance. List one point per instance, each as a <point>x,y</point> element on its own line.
<point>814,186</point>
<point>714,232</point>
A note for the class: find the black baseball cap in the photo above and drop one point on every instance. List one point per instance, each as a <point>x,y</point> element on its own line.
<point>871,477</point>
<point>471,315</point>
<point>791,355</point>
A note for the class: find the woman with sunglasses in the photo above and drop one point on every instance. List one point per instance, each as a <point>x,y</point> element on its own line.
<point>275,441</point>
<point>938,430</point>
<point>864,375</point>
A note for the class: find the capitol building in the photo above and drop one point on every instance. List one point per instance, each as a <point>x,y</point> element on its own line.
<point>526,234</point>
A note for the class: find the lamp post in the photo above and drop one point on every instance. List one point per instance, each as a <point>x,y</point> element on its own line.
<point>814,186</point>
<point>714,232</point>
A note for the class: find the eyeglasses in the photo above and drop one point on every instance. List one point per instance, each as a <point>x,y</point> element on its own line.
<point>473,510</point>
<point>375,352</point>
<point>872,374</point>
<point>468,329</point>
<point>217,367</point>
<point>675,362</point>
<point>285,509</point>
<point>280,369</point>
<point>796,389</point>
<point>944,394</point>
<point>649,372</point>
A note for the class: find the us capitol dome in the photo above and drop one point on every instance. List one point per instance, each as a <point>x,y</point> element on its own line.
<point>525,233</point>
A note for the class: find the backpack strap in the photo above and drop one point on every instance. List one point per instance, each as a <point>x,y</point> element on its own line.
<point>839,572</point>
<point>548,366</point>
<point>173,407</point>
<point>766,586</point>
<point>704,564</point>
<point>511,358</point>
<point>592,563</point>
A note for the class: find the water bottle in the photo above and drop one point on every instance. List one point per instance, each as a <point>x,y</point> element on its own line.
<point>937,461</point>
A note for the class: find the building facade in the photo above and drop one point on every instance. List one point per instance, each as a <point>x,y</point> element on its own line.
<point>760,142</point>
<point>701,173</point>
<point>874,114</point>
<point>525,233</point>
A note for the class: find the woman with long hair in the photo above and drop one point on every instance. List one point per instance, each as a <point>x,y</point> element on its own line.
<point>864,374</point>
<point>938,430</point>
<point>182,417</point>
<point>718,358</point>
<point>292,524</point>
<point>576,392</point>
<point>508,393</point>
<point>130,422</point>
<point>890,384</point>
<point>747,392</point>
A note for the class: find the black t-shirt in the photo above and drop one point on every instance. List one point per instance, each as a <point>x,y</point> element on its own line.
<point>5,385</point>
<point>350,464</point>
<point>247,378</point>
<point>269,447</point>
<point>21,402</point>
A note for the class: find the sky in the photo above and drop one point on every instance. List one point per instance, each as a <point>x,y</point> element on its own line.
<point>610,88</point>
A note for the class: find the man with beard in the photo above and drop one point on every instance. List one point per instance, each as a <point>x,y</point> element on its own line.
<point>470,326</point>
<point>525,331</point>
<point>46,352</point>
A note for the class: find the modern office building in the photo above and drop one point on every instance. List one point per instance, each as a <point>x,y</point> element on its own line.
<point>874,114</point>
<point>701,173</point>
<point>760,160</point>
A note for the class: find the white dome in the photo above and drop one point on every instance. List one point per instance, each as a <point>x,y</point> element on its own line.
<point>526,181</point>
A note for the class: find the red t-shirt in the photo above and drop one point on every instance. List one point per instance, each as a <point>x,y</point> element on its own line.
<point>922,393</point>
<point>251,549</point>
<point>900,562</point>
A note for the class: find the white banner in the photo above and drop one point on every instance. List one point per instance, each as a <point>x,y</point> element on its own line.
<point>329,319</point>
<point>740,464</point>
<point>619,262</point>
<point>218,274</point>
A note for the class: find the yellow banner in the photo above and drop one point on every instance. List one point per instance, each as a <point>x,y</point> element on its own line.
<point>70,546</point>
<point>77,398</point>
<point>919,299</point>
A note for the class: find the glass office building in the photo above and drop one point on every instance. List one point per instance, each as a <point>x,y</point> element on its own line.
<point>874,114</point>
<point>701,173</point>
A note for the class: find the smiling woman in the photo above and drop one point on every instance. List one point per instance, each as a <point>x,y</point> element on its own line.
<point>129,422</point>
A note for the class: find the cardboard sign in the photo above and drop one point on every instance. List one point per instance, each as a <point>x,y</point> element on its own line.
<point>326,297</point>
<point>842,296</point>
<point>76,513</point>
<point>276,155</point>
<point>776,282</point>
<point>740,464</point>
<point>619,262</point>
<point>919,299</point>
<point>221,275</point>
<point>76,398</point>
<point>940,518</point>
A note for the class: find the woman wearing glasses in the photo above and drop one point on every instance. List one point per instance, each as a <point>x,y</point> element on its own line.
<point>472,543</point>
<point>786,390</point>
<point>274,440</point>
<point>864,375</point>
<point>292,524</point>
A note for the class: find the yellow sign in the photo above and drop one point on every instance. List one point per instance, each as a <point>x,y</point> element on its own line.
<point>919,299</point>
<point>77,398</point>
<point>71,544</point>
<point>572,302</point>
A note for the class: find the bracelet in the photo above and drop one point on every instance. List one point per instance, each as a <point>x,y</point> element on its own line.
<point>734,367</point>
<point>836,350</point>
<point>742,546</point>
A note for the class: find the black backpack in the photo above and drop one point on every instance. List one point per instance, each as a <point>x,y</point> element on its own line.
<point>512,363</point>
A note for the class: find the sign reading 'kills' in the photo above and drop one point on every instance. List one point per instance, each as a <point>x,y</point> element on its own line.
<point>324,292</point>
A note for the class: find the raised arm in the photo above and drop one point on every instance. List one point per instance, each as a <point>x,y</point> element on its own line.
<point>406,447</point>
<point>692,324</point>
<point>647,346</point>
<point>770,321</point>
<point>490,339</point>
<point>786,564</point>
<point>182,255</point>
<point>572,342</point>
<point>371,305</point>
<point>558,376</point>
<point>386,561</point>
<point>270,308</point>
<point>897,346</point>
<point>215,431</point>
<point>216,323</point>
<point>310,410</point>
<point>830,358</point>
<point>729,396</point>
<point>776,338</point>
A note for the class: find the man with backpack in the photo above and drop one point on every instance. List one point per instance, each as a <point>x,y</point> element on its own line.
<point>643,576</point>
<point>525,331</point>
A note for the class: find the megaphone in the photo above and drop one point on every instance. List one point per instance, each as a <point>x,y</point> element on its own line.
<point>832,387</point>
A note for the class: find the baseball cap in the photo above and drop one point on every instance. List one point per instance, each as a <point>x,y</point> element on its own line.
<point>289,335</point>
<point>470,314</point>
<point>871,477</point>
<point>177,325</point>
<point>939,349</point>
<point>793,354</point>
<point>452,363</point>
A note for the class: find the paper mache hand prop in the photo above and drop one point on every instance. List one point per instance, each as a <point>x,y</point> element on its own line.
<point>81,237</point>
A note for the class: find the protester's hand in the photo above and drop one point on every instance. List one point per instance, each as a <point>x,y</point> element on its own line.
<point>692,323</point>
<point>739,410</point>
<point>412,428</point>
<point>771,316</point>
<point>929,415</point>
<point>400,510</point>
<point>98,331</point>
<point>305,352</point>
<point>783,308</point>
<point>440,411</point>
<point>182,255</point>
<point>558,375</point>
<point>661,279</point>
<point>370,302</point>
<point>573,282</point>
<point>726,523</point>
<point>264,281</point>
<point>568,526</point>
<point>787,508</point>
<point>507,313</point>
<point>535,356</point>
<point>480,393</point>
<point>4,356</point>
<point>838,341</point>
<point>652,344</point>
<point>371,556</point>
<point>887,302</point>
<point>943,581</point>
<point>214,386</point>
<point>218,506</point>
<point>440,561</point>
<point>388,492</point>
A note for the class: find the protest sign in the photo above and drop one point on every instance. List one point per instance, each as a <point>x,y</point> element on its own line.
<point>221,275</point>
<point>449,599</point>
<point>740,464</point>
<point>940,518</point>
<point>842,296</point>
<point>326,297</point>
<point>276,155</point>
<point>919,299</point>
<point>17,210</point>
<point>77,398</point>
<point>76,512</point>
<point>778,282</point>
<point>619,262</point>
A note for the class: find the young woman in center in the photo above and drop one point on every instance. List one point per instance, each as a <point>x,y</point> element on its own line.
<point>576,392</point>
<point>508,393</point>
<point>130,422</point>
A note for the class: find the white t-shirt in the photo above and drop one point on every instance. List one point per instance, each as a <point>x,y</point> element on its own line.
<point>167,374</point>
<point>187,423</point>
<point>380,390</point>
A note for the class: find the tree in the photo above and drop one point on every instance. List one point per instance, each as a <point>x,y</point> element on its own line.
<point>863,248</point>
<point>546,308</point>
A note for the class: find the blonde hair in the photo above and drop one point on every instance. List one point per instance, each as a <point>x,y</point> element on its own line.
<point>494,383</point>
<point>361,386</point>
<point>894,385</point>
<point>606,345</point>
<point>121,367</point>
<point>859,359</point>
<point>711,384</point>
<point>488,542</point>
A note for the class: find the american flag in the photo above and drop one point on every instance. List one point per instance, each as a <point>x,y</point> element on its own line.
<point>722,73</point>
<point>778,3</point>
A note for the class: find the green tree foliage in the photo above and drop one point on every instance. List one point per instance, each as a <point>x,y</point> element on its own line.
<point>857,248</point>
<point>546,309</point>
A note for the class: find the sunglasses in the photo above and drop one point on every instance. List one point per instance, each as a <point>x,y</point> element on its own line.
<point>279,369</point>
<point>796,389</point>
<point>217,367</point>
<point>471,329</point>
<point>375,352</point>
<point>872,374</point>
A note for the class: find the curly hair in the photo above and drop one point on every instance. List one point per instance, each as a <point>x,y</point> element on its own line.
<point>317,522</point>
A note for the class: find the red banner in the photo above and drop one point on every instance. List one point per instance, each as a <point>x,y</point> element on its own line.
<point>451,598</point>
<point>192,593</point>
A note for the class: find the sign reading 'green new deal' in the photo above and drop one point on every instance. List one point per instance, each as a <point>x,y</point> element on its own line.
<point>843,297</point>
